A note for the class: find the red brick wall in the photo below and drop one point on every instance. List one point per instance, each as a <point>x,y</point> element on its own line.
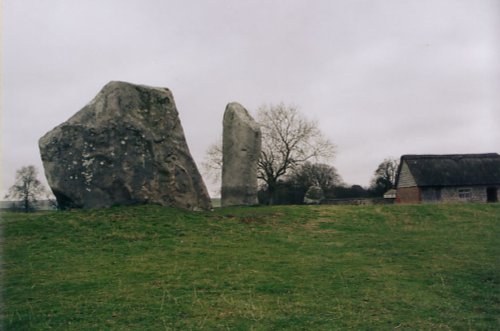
<point>408,195</point>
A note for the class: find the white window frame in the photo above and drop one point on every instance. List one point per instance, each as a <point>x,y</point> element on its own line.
<point>464,193</point>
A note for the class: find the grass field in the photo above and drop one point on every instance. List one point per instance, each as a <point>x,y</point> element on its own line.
<point>431,267</point>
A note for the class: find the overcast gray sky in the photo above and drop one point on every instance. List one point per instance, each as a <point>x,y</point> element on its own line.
<point>382,77</point>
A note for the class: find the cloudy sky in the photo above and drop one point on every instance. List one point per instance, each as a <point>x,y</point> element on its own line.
<point>382,77</point>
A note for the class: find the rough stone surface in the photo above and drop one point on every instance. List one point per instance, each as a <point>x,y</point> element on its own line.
<point>126,146</point>
<point>314,195</point>
<point>241,144</point>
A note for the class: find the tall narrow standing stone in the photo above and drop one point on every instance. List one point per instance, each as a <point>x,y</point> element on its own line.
<point>241,143</point>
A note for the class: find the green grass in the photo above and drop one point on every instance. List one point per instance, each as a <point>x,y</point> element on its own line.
<point>430,267</point>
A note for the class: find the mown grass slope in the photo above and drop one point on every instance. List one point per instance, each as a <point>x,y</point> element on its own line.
<point>262,268</point>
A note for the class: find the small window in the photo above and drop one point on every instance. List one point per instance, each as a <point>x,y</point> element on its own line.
<point>464,193</point>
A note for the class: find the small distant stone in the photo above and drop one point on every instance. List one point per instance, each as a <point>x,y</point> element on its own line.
<point>314,195</point>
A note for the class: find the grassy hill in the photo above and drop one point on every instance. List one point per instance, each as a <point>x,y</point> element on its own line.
<point>263,268</point>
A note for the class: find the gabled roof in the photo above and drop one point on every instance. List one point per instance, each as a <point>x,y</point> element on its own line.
<point>454,169</point>
<point>390,194</point>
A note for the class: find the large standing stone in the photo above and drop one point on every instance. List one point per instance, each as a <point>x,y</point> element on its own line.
<point>126,146</point>
<point>241,143</point>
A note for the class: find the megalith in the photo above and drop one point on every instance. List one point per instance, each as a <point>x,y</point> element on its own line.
<point>126,146</point>
<point>241,144</point>
<point>314,195</point>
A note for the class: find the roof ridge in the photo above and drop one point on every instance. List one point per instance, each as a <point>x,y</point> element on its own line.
<point>449,156</point>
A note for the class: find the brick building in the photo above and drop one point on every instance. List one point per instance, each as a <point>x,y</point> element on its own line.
<point>448,178</point>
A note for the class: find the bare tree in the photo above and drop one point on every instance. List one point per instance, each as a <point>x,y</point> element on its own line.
<point>384,178</point>
<point>212,164</point>
<point>316,174</point>
<point>27,188</point>
<point>288,140</point>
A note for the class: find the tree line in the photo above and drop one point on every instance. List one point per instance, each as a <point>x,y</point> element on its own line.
<point>295,157</point>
